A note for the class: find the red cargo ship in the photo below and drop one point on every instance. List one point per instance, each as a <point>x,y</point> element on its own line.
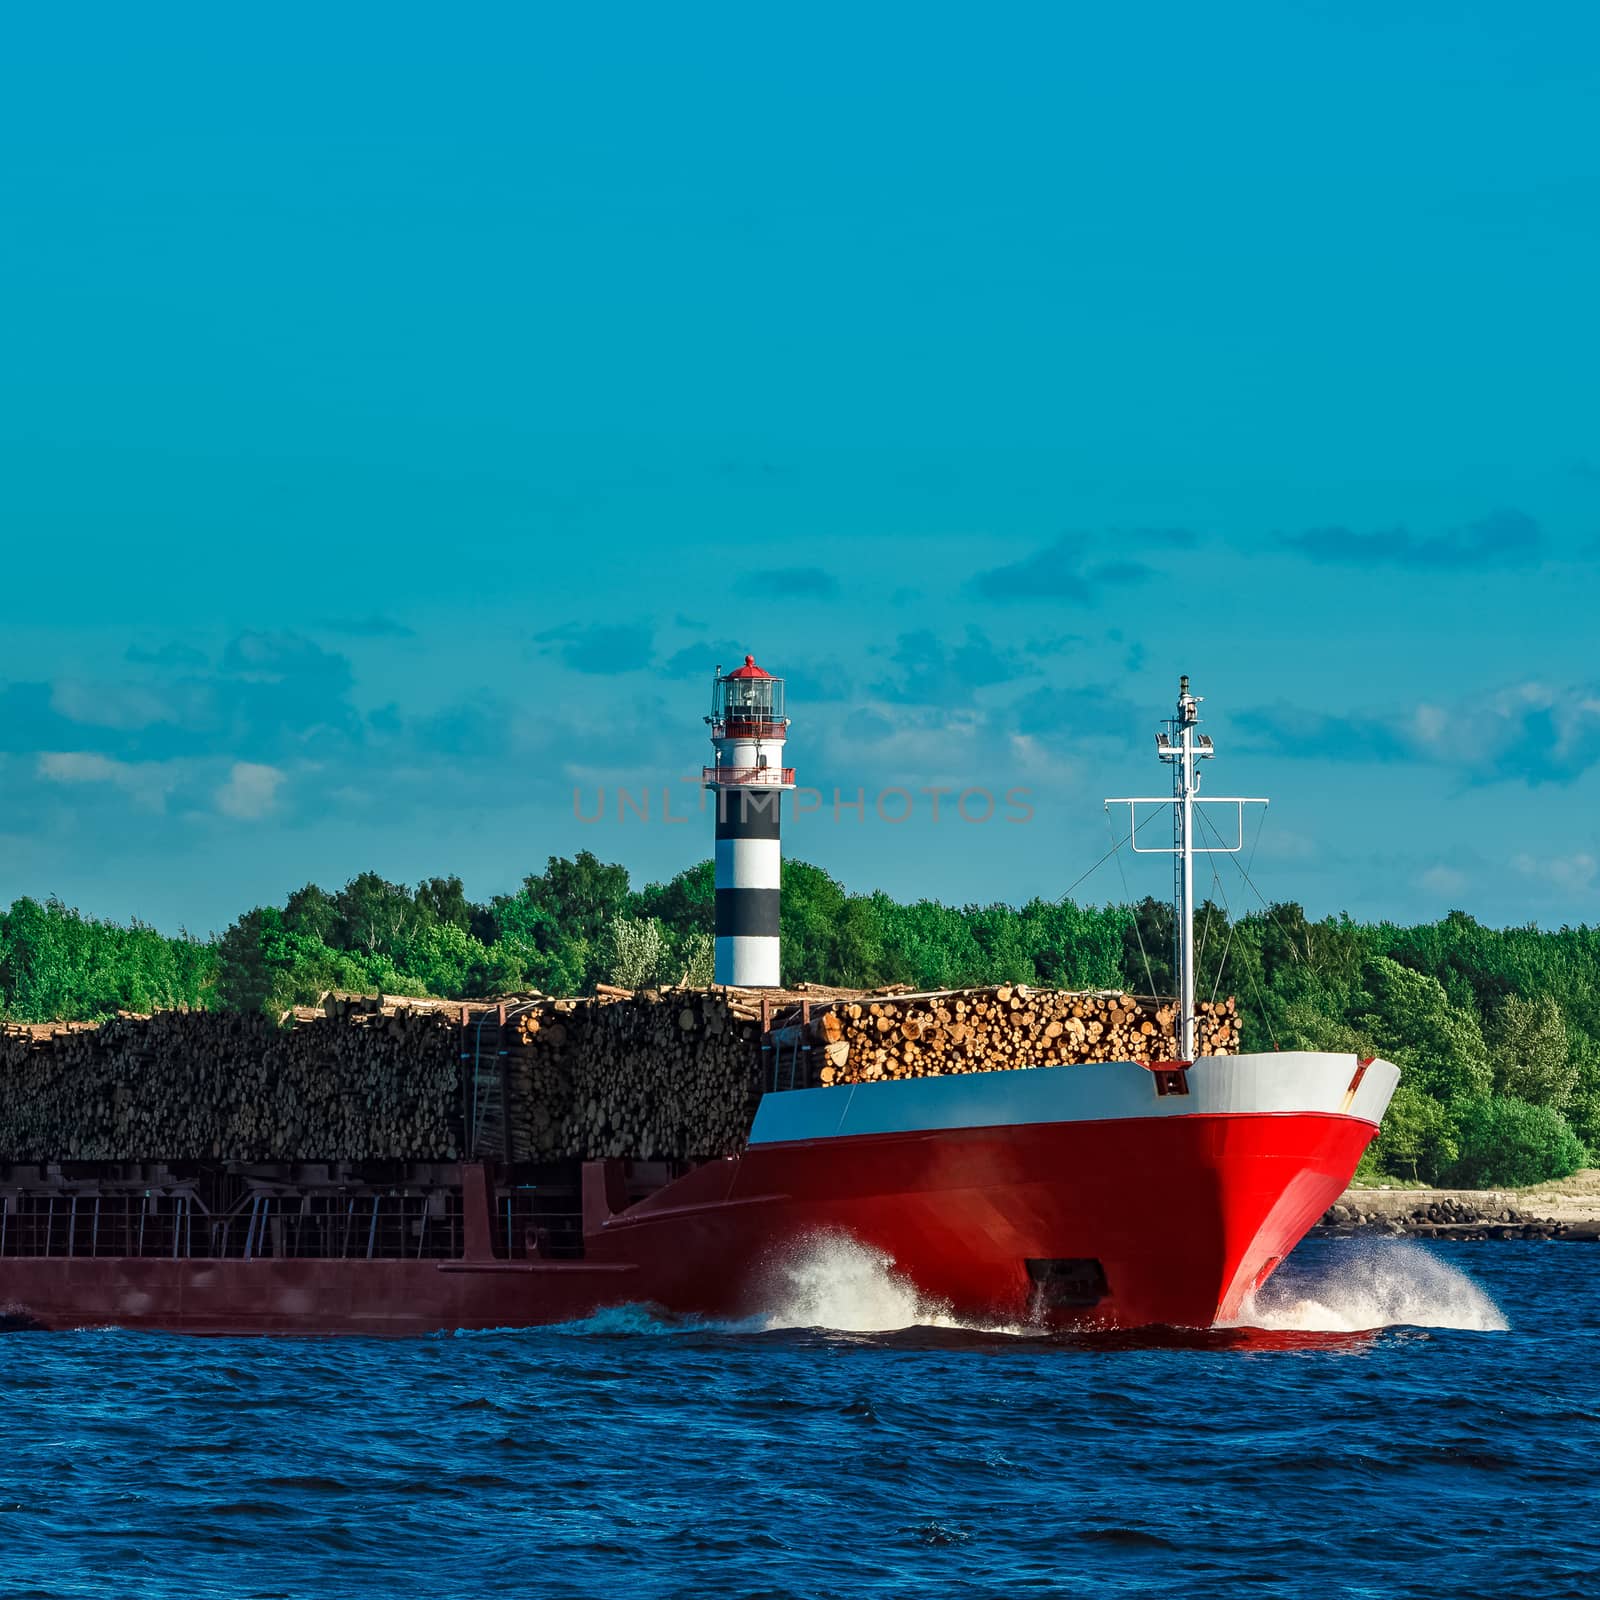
<point>1109,1195</point>
<point>1113,1195</point>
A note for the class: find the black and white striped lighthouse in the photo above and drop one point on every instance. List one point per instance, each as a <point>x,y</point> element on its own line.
<point>748,729</point>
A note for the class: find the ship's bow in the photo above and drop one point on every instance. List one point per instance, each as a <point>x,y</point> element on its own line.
<point>1109,1195</point>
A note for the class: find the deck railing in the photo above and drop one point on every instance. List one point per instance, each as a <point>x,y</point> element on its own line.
<point>327,1225</point>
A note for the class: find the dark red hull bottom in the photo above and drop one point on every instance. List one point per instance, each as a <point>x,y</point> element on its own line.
<point>1152,1221</point>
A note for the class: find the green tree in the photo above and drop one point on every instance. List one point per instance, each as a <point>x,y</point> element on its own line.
<point>558,920</point>
<point>1331,952</point>
<point>698,954</point>
<point>244,975</point>
<point>545,957</point>
<point>637,952</point>
<point>1072,946</point>
<point>504,970</point>
<point>1583,1106</point>
<point>1418,1138</point>
<point>56,964</point>
<point>445,900</point>
<point>685,904</point>
<point>1507,1142</point>
<point>1533,1058</point>
<point>313,912</point>
<point>1439,1045</point>
<point>1147,947</point>
<point>445,960</point>
<point>1309,1023</point>
<point>1467,959</point>
<point>376,916</point>
<point>828,936</point>
<point>582,894</point>
<point>264,965</point>
<point>928,945</point>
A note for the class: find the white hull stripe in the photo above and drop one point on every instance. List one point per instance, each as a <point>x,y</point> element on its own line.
<point>1279,1084</point>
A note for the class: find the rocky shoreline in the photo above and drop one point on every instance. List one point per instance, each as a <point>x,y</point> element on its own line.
<point>1428,1214</point>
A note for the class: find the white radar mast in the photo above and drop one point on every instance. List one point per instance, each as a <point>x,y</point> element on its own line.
<point>1185,748</point>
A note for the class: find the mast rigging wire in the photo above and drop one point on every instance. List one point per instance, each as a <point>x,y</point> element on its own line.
<point>1283,927</point>
<point>1255,983</point>
<point>1116,846</point>
<point>1138,933</point>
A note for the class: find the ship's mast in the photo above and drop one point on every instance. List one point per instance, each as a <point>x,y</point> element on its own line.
<point>1183,747</point>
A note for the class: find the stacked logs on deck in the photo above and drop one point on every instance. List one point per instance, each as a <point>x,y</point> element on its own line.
<point>668,1074</point>
<point>675,1074</point>
<point>363,1083</point>
<point>1009,1026</point>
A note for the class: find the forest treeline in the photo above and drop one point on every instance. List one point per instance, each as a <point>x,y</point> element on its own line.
<point>1497,1030</point>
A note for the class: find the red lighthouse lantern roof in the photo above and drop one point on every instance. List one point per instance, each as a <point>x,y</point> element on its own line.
<point>749,670</point>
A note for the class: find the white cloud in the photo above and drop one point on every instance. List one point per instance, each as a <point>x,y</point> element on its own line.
<point>250,792</point>
<point>1040,761</point>
<point>1532,731</point>
<point>910,747</point>
<point>147,783</point>
<point>122,706</point>
<point>79,766</point>
<point>1442,880</point>
<point>1428,724</point>
<point>1575,873</point>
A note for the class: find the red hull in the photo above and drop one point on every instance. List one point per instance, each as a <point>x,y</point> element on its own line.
<point>1182,1215</point>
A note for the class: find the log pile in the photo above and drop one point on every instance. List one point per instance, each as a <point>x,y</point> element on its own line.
<point>663,1074</point>
<point>671,1074</point>
<point>182,1086</point>
<point>1010,1026</point>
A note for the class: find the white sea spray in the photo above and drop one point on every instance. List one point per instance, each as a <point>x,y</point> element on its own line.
<point>1372,1283</point>
<point>834,1281</point>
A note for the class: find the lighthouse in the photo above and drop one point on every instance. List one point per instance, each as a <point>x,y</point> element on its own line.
<point>748,778</point>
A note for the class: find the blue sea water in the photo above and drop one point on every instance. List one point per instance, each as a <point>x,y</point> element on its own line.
<point>1454,1450</point>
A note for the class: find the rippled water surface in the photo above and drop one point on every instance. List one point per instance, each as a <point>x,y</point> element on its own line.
<point>1454,1451</point>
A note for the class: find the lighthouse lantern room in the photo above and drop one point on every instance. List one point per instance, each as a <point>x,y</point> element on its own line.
<point>747,778</point>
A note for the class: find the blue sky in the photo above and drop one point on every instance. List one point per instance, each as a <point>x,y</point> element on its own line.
<point>404,411</point>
